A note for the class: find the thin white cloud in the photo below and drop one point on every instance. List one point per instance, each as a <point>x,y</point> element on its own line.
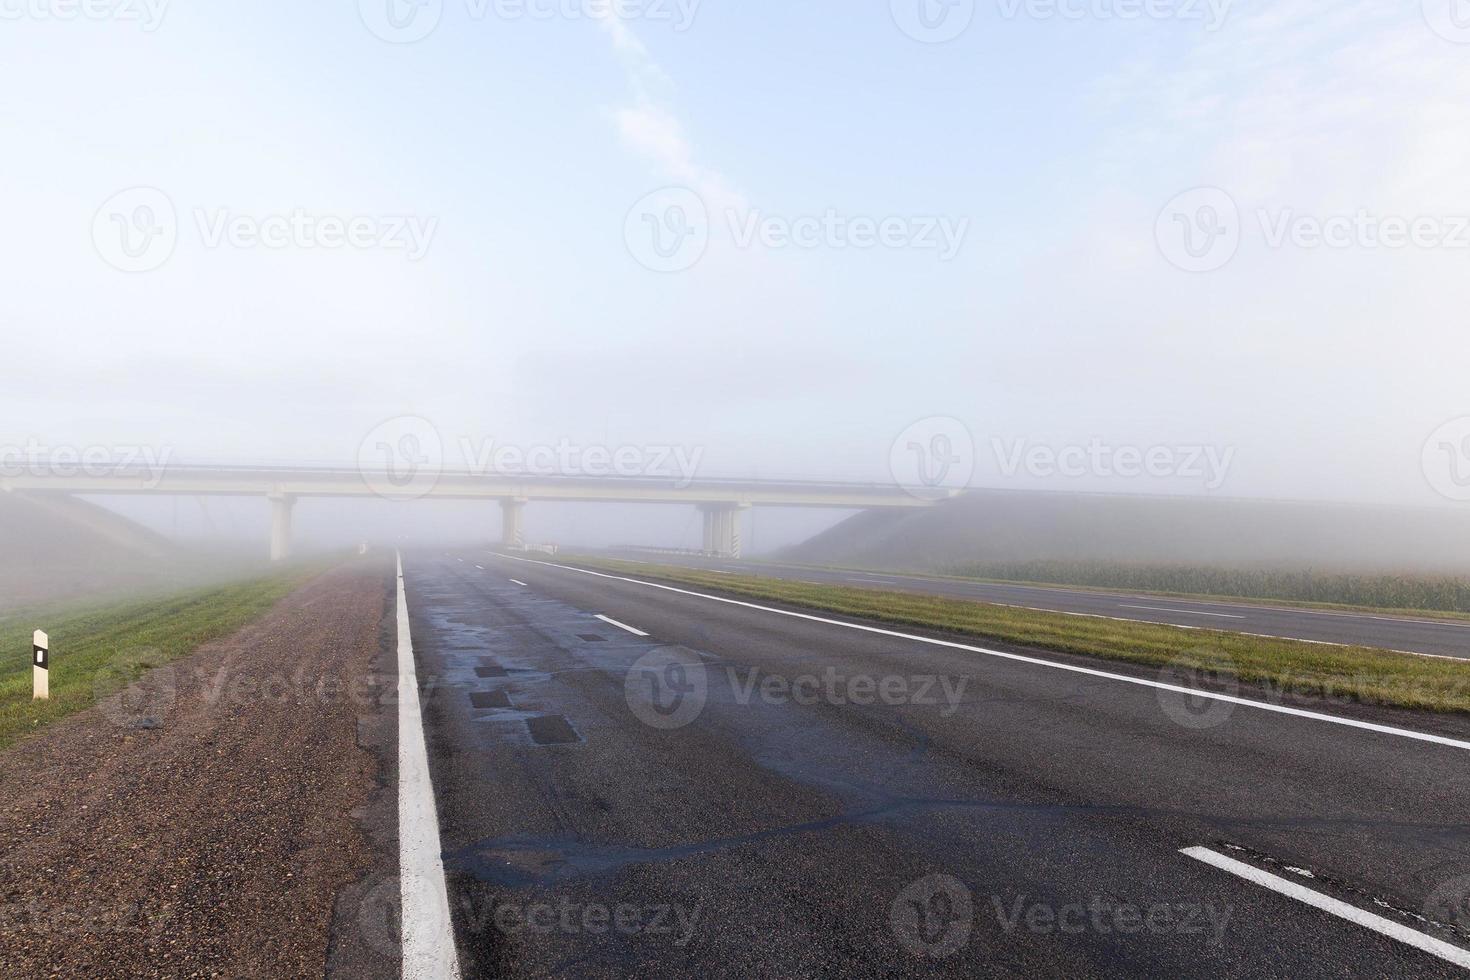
<point>650,128</point>
<point>1306,102</point>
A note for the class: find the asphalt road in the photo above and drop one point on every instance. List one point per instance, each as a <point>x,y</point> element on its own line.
<point>1440,637</point>
<point>746,792</point>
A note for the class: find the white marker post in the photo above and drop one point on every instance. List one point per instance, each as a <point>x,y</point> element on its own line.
<point>41,666</point>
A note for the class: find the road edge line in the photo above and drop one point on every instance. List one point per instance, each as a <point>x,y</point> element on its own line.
<point>425,925</point>
<point>1387,927</point>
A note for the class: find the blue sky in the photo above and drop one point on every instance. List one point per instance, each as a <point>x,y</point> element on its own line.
<point>1057,141</point>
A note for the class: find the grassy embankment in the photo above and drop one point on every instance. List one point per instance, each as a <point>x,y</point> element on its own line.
<point>1358,674</point>
<point>97,648</point>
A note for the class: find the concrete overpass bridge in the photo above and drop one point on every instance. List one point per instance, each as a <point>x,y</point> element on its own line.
<point>720,501</point>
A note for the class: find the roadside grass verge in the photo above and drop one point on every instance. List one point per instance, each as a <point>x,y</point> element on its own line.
<point>1283,667</point>
<point>98,649</point>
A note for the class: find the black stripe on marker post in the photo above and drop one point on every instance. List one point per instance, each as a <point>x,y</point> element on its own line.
<point>41,662</point>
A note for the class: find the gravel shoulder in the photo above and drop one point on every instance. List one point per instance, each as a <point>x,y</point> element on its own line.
<point>229,815</point>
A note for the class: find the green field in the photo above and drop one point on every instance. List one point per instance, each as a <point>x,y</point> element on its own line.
<point>1279,667</point>
<point>95,649</point>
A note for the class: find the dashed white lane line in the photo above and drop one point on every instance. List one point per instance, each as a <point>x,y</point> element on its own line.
<point>428,936</point>
<point>480,567</point>
<point>1185,612</point>
<point>622,626</point>
<point>1021,658</point>
<point>1386,927</point>
<point>516,581</point>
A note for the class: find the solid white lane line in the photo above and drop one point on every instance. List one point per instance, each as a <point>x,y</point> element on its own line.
<point>1037,661</point>
<point>520,583</point>
<point>428,935</point>
<point>1187,612</point>
<point>1387,927</point>
<point>622,626</point>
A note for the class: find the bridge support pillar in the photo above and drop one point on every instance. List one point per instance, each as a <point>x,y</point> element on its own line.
<point>513,523</point>
<point>281,505</point>
<point>722,529</point>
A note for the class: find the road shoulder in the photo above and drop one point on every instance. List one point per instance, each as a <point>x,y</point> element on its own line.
<point>223,816</point>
